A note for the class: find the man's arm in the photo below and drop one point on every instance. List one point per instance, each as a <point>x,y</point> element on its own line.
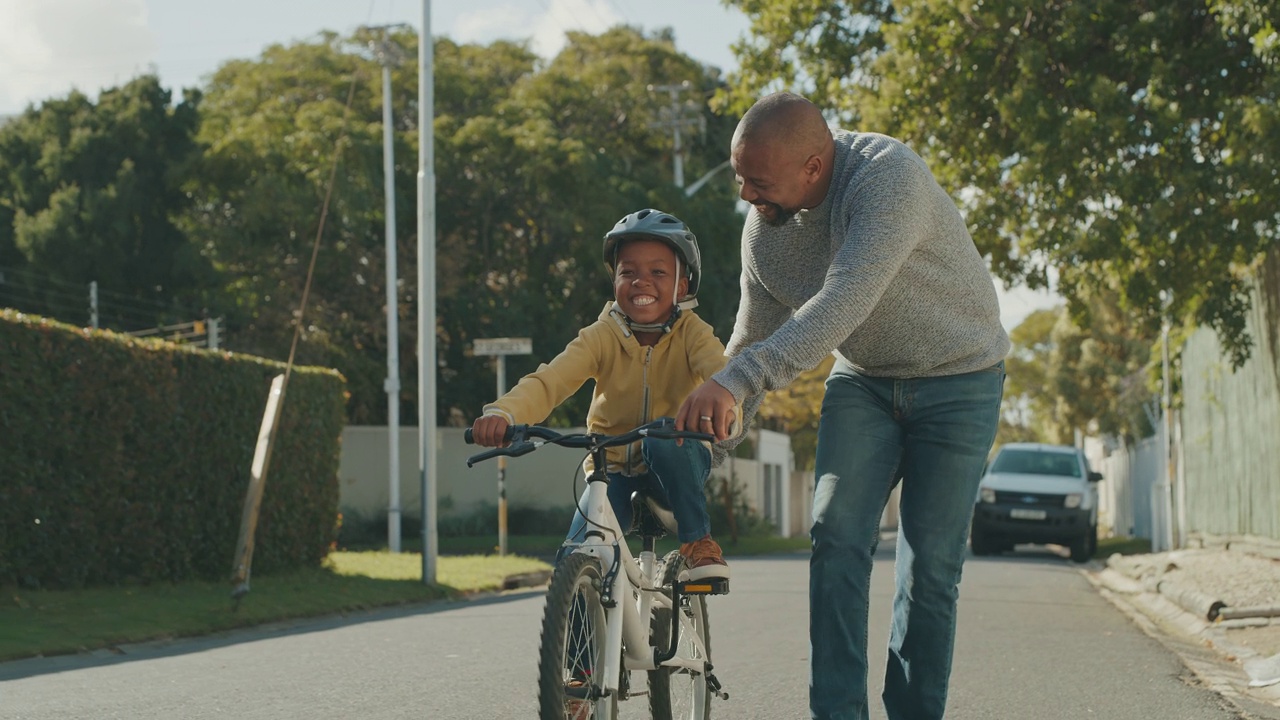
<point>884,226</point>
<point>759,314</point>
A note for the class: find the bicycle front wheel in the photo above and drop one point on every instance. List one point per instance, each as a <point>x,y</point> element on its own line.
<point>571,653</point>
<point>680,693</point>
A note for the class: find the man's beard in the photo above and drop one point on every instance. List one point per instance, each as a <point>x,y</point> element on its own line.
<point>780,215</point>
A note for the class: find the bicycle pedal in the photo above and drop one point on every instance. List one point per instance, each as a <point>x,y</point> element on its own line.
<point>713,684</point>
<point>718,586</point>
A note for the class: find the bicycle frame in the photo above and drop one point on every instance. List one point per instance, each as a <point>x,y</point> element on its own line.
<point>633,591</point>
<point>632,588</point>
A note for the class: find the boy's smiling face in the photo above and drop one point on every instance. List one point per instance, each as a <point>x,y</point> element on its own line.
<point>646,281</point>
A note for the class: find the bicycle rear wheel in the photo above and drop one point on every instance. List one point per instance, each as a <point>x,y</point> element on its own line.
<point>571,652</point>
<point>679,693</point>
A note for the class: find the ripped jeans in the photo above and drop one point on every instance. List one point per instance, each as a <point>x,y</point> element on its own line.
<point>934,435</point>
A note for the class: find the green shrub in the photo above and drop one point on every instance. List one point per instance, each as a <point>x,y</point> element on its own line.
<point>126,460</point>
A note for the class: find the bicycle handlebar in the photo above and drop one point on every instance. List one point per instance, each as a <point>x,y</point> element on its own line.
<point>523,437</point>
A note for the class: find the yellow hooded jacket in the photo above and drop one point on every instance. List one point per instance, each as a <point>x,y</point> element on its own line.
<point>634,383</point>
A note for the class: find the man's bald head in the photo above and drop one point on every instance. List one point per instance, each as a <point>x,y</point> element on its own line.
<point>783,155</point>
<point>786,121</point>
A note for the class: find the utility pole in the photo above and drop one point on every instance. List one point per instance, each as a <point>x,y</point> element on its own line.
<point>388,55</point>
<point>676,117</point>
<point>427,362</point>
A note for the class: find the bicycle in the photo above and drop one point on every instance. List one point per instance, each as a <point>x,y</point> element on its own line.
<point>608,612</point>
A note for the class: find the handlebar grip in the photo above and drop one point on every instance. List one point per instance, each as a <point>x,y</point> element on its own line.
<point>466,437</point>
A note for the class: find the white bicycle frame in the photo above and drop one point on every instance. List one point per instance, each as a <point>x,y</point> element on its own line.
<point>634,590</point>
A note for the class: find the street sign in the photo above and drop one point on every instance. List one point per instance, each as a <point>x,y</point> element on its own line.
<point>502,346</point>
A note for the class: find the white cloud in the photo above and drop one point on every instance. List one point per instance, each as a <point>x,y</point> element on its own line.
<point>47,48</point>
<point>485,25</point>
<point>545,26</point>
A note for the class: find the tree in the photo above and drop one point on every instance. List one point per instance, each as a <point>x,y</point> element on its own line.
<point>534,163</point>
<point>1027,400</point>
<point>91,192</point>
<point>1127,145</point>
<point>536,181</point>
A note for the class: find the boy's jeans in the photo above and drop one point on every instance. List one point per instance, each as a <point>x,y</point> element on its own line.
<point>934,434</point>
<point>677,475</point>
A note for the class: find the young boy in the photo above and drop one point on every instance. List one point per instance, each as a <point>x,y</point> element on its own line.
<point>646,353</point>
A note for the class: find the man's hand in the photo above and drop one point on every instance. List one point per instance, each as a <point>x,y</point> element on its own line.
<point>708,409</point>
<point>488,431</point>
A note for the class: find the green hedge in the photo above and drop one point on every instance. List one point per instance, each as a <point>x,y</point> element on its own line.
<point>125,460</point>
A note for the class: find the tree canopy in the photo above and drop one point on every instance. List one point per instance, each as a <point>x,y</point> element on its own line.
<point>1132,147</point>
<point>90,191</point>
<point>222,193</point>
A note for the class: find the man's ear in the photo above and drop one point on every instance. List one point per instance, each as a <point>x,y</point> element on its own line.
<point>813,168</point>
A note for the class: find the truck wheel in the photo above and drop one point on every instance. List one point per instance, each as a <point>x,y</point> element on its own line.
<point>981,544</point>
<point>1082,547</point>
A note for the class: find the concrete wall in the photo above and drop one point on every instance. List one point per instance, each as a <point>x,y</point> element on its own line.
<point>540,479</point>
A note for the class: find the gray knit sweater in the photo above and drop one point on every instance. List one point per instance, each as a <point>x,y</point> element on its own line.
<point>884,272</point>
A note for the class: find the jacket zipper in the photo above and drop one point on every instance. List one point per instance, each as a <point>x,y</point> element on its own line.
<point>644,406</point>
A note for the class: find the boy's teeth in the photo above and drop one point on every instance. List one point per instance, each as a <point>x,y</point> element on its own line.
<point>645,300</point>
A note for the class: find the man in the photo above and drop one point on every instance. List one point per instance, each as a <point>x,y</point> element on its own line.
<point>851,246</point>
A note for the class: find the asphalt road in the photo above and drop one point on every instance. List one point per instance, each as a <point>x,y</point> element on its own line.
<point>1035,641</point>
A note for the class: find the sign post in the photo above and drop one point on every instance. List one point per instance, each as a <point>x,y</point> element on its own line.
<point>501,348</point>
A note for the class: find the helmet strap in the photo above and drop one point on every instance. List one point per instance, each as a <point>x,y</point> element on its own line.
<point>631,327</point>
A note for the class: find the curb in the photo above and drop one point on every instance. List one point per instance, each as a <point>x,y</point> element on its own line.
<point>1197,642</point>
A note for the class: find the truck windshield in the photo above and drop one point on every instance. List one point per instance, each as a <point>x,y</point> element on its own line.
<point>1036,462</point>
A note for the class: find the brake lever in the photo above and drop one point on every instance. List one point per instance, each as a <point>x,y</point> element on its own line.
<point>514,450</point>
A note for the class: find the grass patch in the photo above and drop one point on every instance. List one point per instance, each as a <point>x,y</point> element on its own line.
<point>46,622</point>
<point>1123,545</point>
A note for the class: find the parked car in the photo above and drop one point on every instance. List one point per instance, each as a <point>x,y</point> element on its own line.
<point>1034,493</point>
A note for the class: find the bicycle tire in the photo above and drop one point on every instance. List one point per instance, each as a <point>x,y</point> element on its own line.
<point>573,641</point>
<point>676,693</point>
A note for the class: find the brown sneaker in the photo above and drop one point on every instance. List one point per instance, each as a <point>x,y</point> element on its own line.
<point>703,560</point>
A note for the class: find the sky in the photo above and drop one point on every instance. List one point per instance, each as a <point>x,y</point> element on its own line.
<point>49,47</point>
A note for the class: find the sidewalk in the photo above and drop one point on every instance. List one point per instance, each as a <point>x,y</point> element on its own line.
<point>1220,594</point>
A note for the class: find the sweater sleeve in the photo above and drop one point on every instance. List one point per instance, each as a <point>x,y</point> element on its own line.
<point>541,391</point>
<point>882,228</point>
<point>759,315</point>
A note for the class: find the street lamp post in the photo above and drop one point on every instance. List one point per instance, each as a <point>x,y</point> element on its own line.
<point>388,55</point>
<point>427,295</point>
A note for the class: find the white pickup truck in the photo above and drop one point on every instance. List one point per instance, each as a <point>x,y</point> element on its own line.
<point>1033,493</point>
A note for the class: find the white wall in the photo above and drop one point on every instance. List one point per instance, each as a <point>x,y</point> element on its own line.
<point>540,479</point>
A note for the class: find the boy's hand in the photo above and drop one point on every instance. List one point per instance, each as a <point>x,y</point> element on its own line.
<point>708,409</point>
<point>488,431</point>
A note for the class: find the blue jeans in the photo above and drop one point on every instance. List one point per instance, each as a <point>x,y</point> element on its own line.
<point>676,476</point>
<point>933,434</point>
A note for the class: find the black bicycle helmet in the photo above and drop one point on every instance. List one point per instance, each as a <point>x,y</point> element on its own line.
<point>650,224</point>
